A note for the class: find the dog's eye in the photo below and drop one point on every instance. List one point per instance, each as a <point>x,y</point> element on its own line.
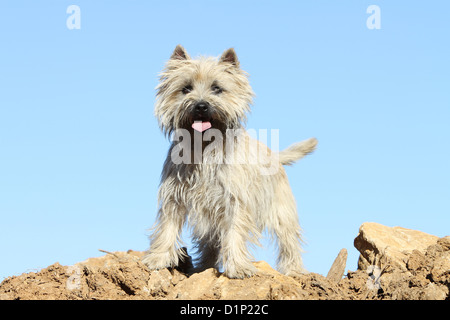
<point>216,89</point>
<point>186,89</point>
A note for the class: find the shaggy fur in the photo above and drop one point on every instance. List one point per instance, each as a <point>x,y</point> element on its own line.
<point>236,188</point>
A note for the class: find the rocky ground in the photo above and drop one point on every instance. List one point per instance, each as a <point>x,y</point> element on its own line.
<point>395,263</point>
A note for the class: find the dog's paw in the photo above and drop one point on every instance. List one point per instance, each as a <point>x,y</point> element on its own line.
<point>156,261</point>
<point>240,272</point>
<point>291,268</point>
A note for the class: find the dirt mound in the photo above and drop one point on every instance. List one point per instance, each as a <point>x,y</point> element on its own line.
<point>122,275</point>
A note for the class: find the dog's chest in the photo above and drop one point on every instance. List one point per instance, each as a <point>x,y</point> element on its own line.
<point>208,186</point>
<point>207,177</point>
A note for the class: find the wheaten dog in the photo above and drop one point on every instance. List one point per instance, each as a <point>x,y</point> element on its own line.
<point>225,185</point>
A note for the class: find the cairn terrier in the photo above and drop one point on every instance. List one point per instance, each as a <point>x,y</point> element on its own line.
<point>216,177</point>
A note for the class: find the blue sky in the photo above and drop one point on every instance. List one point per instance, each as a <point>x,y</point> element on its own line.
<point>81,153</point>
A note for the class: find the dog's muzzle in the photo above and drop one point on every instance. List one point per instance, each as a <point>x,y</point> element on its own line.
<point>201,116</point>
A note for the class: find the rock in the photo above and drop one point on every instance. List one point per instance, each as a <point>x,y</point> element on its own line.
<point>122,275</point>
<point>419,274</point>
<point>444,243</point>
<point>440,271</point>
<point>338,267</point>
<point>434,291</point>
<point>380,245</point>
<point>426,278</point>
<point>159,283</point>
<point>267,284</point>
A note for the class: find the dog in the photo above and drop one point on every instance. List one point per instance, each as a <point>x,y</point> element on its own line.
<point>227,186</point>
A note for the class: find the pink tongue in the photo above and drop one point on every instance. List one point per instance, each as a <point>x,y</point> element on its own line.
<point>201,126</point>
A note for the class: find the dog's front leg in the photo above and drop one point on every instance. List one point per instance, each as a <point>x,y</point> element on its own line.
<point>166,237</point>
<point>235,255</point>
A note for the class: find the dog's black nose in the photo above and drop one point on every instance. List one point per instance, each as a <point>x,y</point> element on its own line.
<point>201,107</point>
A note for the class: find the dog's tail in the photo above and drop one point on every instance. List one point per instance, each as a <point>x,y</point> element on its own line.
<point>297,151</point>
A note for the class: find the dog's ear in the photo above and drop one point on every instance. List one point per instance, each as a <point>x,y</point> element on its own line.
<point>230,56</point>
<point>180,53</point>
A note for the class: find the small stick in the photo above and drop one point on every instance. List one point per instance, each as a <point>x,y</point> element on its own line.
<point>115,255</point>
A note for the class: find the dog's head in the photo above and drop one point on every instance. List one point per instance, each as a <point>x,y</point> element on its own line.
<point>203,93</point>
